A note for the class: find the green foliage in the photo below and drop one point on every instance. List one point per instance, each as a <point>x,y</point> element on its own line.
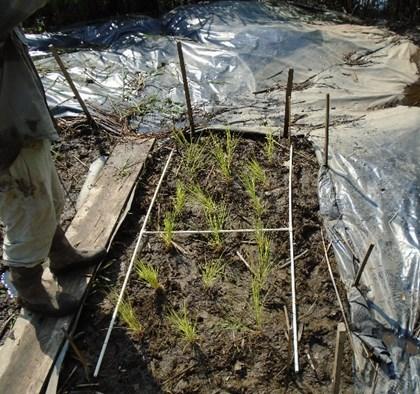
<point>256,172</point>
<point>216,219</point>
<point>223,153</point>
<point>168,228</point>
<point>211,272</point>
<point>180,198</point>
<point>143,107</point>
<point>269,147</point>
<point>202,198</point>
<point>182,323</point>
<point>148,274</point>
<point>250,184</point>
<point>193,159</point>
<point>179,138</point>
<point>215,213</point>
<point>233,324</point>
<point>127,314</point>
<point>264,254</point>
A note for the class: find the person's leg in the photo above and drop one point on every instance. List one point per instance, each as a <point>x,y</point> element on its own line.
<point>30,218</point>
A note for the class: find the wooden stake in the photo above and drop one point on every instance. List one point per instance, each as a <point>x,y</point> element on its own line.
<point>186,89</point>
<point>338,358</point>
<point>340,303</point>
<point>288,103</point>
<point>327,130</point>
<point>362,266</point>
<point>72,85</point>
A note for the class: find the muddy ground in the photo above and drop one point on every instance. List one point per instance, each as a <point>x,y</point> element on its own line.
<point>232,354</point>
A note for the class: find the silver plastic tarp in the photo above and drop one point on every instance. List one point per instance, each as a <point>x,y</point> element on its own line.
<point>237,56</point>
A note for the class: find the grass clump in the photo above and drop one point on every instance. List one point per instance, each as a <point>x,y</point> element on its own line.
<point>180,198</point>
<point>206,202</point>
<point>216,214</point>
<point>223,153</point>
<point>179,137</point>
<point>193,159</point>
<point>211,272</point>
<point>127,314</point>
<point>250,185</point>
<point>148,274</point>
<point>269,147</point>
<point>182,323</point>
<point>168,229</point>
<point>216,219</point>
<point>256,172</point>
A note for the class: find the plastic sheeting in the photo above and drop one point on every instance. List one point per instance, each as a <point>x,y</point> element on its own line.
<point>237,56</point>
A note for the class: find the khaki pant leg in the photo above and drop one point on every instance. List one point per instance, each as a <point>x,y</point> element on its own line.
<point>31,202</point>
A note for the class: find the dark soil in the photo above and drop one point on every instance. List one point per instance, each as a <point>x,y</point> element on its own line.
<point>232,353</point>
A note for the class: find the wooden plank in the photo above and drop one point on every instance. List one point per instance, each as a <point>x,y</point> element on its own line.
<point>29,351</point>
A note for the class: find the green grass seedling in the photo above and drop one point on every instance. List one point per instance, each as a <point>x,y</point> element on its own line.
<point>256,172</point>
<point>250,184</point>
<point>264,253</point>
<point>193,159</point>
<point>149,274</point>
<point>216,219</point>
<point>127,314</point>
<point>180,198</point>
<point>234,324</point>
<point>179,138</point>
<point>223,153</point>
<point>269,147</point>
<point>168,228</point>
<point>211,272</point>
<point>206,202</point>
<point>182,323</point>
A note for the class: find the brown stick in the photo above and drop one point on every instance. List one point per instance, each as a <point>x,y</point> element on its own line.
<point>186,89</point>
<point>340,303</point>
<point>362,266</point>
<point>327,130</point>
<point>79,355</point>
<point>288,103</point>
<point>72,85</point>
<point>338,358</point>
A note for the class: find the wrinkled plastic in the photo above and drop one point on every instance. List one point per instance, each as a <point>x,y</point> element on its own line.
<point>237,56</point>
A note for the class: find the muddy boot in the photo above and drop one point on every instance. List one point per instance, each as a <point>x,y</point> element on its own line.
<point>43,297</point>
<point>64,258</point>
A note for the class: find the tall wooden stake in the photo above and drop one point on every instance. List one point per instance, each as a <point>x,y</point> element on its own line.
<point>362,266</point>
<point>288,103</point>
<point>327,130</point>
<point>72,85</point>
<point>186,89</point>
<point>338,358</point>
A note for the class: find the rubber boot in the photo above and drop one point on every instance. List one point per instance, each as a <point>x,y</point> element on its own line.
<point>43,297</point>
<point>65,258</point>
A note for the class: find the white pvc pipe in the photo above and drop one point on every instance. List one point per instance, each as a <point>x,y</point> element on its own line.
<point>130,267</point>
<point>292,267</point>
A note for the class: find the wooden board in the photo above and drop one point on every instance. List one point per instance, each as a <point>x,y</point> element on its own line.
<point>28,353</point>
